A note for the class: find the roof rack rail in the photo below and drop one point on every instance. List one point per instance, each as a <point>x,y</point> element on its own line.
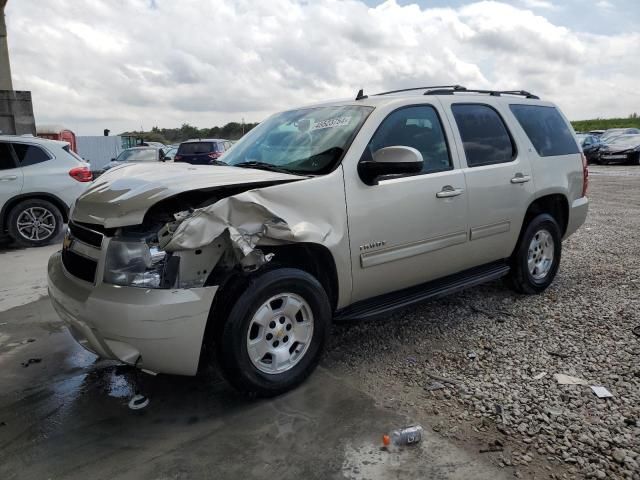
<point>453,87</point>
<point>493,93</point>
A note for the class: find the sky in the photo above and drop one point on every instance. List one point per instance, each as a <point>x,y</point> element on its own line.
<point>132,64</point>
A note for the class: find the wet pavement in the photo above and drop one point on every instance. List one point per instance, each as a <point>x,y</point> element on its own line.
<point>65,415</point>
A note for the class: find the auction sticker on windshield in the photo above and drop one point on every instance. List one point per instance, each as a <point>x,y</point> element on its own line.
<point>331,123</point>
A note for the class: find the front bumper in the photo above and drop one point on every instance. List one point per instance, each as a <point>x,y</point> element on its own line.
<point>631,157</point>
<point>161,330</point>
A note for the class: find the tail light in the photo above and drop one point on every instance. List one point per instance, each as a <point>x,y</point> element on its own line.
<point>585,175</point>
<point>81,174</point>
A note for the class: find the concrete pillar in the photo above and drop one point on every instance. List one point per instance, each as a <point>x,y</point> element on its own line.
<point>5,66</point>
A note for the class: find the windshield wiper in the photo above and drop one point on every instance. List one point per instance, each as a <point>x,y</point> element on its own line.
<point>262,166</point>
<point>219,163</point>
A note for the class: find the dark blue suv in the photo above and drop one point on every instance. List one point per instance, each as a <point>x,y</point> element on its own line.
<point>204,151</point>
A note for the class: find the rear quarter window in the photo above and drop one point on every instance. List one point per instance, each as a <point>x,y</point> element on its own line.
<point>546,128</point>
<point>196,148</point>
<point>30,154</point>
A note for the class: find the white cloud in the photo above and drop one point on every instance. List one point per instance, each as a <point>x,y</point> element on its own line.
<point>544,4</point>
<point>121,64</point>
<point>605,4</point>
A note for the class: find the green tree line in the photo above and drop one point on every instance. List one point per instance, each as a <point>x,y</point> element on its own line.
<point>632,121</point>
<point>231,131</point>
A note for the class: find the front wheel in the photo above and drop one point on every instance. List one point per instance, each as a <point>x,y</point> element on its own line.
<point>535,262</point>
<point>275,333</point>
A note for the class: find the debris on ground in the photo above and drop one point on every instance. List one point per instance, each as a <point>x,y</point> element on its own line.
<point>494,446</point>
<point>404,436</point>
<point>601,392</point>
<point>31,361</point>
<point>138,402</point>
<point>540,375</point>
<point>563,379</point>
<point>472,355</point>
<point>435,386</point>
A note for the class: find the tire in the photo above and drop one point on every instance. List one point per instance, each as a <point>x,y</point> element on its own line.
<point>34,210</point>
<point>256,318</point>
<point>543,228</point>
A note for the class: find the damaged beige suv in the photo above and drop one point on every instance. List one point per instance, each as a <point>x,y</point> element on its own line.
<point>342,210</point>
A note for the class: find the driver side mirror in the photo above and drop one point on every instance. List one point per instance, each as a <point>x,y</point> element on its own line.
<point>396,160</point>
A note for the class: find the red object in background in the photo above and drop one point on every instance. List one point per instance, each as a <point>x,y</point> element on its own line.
<point>81,174</point>
<point>55,132</point>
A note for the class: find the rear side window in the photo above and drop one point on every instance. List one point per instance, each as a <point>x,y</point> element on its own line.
<point>485,137</point>
<point>6,157</point>
<point>29,154</point>
<point>546,129</point>
<point>196,148</point>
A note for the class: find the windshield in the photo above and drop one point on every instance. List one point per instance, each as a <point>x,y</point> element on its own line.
<point>626,139</point>
<point>138,155</point>
<point>309,140</point>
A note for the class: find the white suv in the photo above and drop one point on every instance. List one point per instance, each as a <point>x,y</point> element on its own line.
<point>39,181</point>
<point>336,211</point>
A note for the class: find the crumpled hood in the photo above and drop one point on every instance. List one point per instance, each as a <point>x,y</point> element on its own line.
<point>123,195</point>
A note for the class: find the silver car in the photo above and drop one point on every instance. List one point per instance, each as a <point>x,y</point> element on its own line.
<point>39,181</point>
<point>335,211</point>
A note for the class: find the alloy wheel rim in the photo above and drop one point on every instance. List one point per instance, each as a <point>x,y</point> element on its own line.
<point>36,223</point>
<point>280,333</point>
<point>540,255</point>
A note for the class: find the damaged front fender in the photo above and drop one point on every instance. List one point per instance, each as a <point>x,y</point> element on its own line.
<point>260,216</point>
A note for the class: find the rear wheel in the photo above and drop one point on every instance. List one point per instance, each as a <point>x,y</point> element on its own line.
<point>34,222</point>
<point>275,333</point>
<point>536,260</point>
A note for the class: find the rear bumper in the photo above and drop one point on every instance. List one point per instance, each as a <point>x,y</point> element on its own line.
<point>577,215</point>
<point>161,330</point>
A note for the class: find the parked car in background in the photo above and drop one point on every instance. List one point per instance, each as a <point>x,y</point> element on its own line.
<point>135,155</point>
<point>153,144</point>
<point>612,133</point>
<point>202,151</point>
<point>590,145</point>
<point>596,132</point>
<point>170,153</point>
<point>58,132</point>
<point>39,181</point>
<point>621,149</point>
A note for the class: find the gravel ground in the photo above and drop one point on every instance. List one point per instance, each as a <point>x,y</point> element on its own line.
<point>479,366</point>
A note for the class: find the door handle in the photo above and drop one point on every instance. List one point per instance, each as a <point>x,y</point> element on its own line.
<point>520,178</point>
<point>448,191</point>
<point>8,178</point>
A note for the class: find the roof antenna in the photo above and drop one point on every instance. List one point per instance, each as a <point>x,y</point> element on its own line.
<point>361,95</point>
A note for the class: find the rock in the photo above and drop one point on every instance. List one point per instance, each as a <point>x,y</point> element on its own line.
<point>619,455</point>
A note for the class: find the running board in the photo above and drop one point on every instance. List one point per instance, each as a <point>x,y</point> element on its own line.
<point>389,302</point>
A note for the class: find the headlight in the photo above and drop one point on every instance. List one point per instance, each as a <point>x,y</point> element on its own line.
<point>134,263</point>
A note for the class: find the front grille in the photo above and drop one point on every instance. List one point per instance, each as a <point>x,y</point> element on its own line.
<point>79,266</point>
<point>90,237</point>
